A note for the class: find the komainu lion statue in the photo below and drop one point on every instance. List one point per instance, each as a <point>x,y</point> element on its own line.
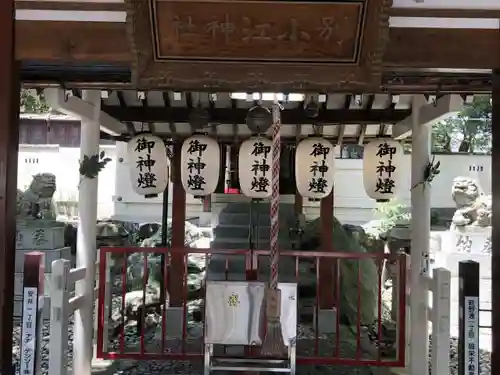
<point>36,202</point>
<point>473,206</point>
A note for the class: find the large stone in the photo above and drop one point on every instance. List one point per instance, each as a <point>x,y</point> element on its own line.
<point>345,243</point>
<point>195,267</point>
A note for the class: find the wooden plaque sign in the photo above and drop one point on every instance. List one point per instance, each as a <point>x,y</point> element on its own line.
<point>258,44</point>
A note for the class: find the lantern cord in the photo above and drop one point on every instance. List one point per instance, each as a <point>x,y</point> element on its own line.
<point>273,344</point>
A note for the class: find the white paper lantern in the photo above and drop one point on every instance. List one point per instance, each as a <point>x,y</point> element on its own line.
<point>148,162</point>
<point>314,167</point>
<point>254,167</point>
<point>200,165</point>
<point>382,168</point>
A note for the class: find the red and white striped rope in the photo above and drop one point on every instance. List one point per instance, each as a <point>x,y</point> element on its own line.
<point>275,194</point>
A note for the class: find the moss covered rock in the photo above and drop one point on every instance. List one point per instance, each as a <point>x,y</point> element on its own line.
<point>345,242</point>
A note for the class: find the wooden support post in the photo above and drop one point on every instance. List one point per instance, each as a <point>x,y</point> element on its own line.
<point>59,306</point>
<point>299,199</point>
<point>420,238</point>
<point>326,275</point>
<point>9,140</point>
<point>441,306</point>
<point>495,251</point>
<point>175,285</point>
<point>86,253</point>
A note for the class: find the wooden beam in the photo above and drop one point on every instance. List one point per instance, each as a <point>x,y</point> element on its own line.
<point>104,42</point>
<point>76,107</point>
<point>442,48</point>
<point>52,41</point>
<point>428,114</point>
<point>238,115</point>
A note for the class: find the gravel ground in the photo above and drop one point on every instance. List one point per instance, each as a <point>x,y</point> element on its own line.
<point>181,367</point>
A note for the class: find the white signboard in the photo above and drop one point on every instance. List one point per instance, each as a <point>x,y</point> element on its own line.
<point>148,162</point>
<point>254,167</point>
<point>471,332</point>
<point>200,165</point>
<point>382,168</point>
<point>314,168</point>
<point>29,331</point>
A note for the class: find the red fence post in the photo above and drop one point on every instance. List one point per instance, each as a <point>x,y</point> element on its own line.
<point>33,298</point>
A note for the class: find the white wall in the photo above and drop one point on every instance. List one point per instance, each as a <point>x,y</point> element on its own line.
<point>117,199</point>
<point>64,163</point>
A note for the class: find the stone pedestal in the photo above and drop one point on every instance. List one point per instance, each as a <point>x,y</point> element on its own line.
<point>46,237</point>
<point>468,240</point>
<point>468,243</point>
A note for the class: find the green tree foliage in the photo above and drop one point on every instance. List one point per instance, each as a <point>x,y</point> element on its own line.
<point>471,129</point>
<point>391,213</point>
<point>32,102</point>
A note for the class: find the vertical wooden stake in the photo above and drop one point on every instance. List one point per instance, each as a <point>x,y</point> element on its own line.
<point>175,288</point>
<point>9,140</point>
<point>326,275</point>
<point>495,191</point>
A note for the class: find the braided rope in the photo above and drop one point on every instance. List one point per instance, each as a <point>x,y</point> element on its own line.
<point>275,194</point>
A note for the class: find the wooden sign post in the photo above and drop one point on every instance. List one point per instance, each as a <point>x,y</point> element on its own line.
<point>33,295</point>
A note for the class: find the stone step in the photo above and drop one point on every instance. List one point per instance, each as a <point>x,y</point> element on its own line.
<point>232,218</point>
<point>241,231</point>
<point>261,243</point>
<point>238,243</point>
<point>261,208</point>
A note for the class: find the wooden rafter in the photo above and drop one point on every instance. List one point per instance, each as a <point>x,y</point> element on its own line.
<point>362,134</point>
<point>238,115</point>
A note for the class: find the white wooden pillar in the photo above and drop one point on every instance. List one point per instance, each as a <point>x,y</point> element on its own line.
<point>420,237</point>
<point>86,252</point>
